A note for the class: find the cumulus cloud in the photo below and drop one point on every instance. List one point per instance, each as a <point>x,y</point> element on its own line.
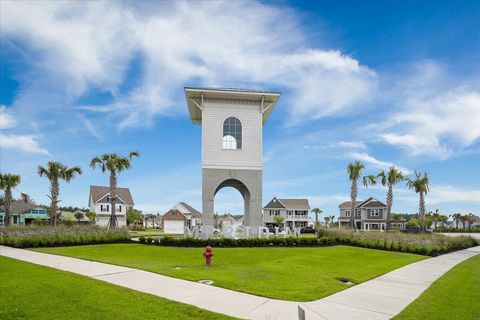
<point>434,117</point>
<point>80,46</point>
<point>6,120</point>
<point>26,143</point>
<point>362,156</point>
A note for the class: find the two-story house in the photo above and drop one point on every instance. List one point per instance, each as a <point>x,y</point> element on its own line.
<point>294,212</point>
<point>370,214</point>
<point>24,213</point>
<point>99,202</point>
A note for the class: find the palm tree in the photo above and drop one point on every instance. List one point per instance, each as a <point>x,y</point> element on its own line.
<point>91,216</point>
<point>114,164</point>
<point>327,220</point>
<point>420,185</point>
<point>56,171</point>
<point>436,218</point>
<point>317,211</point>
<point>470,220</point>
<point>456,217</point>
<point>389,179</point>
<point>354,171</point>
<point>464,219</point>
<point>8,182</point>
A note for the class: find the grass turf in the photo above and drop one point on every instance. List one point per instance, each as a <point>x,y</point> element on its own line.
<point>297,274</point>
<point>29,291</point>
<point>456,295</point>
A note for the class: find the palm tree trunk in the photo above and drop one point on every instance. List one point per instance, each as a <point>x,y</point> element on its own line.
<point>353,199</point>
<point>316,219</point>
<point>113,197</point>
<point>8,205</point>
<point>456,223</point>
<point>389,205</point>
<point>421,210</point>
<point>54,192</point>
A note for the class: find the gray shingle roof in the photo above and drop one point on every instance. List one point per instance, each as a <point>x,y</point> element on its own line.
<point>348,204</point>
<point>295,203</point>
<point>97,192</point>
<point>195,213</point>
<point>20,206</point>
<point>370,202</point>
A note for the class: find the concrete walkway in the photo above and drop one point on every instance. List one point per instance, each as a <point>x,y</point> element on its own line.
<point>380,298</point>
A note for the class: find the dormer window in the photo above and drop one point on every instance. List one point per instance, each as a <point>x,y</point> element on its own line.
<point>232,134</point>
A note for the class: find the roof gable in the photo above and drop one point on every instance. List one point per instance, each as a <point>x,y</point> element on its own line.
<point>98,192</point>
<point>274,204</point>
<point>174,214</point>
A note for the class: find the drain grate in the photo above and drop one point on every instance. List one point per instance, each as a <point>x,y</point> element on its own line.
<point>208,282</point>
<point>345,280</point>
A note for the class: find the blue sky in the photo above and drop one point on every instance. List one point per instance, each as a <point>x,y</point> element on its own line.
<point>381,82</point>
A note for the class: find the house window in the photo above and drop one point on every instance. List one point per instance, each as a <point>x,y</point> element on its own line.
<point>358,212</point>
<point>347,213</point>
<point>232,134</point>
<point>289,212</point>
<point>104,208</point>
<point>374,212</point>
<point>119,209</point>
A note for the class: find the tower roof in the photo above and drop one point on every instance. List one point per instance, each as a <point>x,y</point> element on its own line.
<point>196,96</point>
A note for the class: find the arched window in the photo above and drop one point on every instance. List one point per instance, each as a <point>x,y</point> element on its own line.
<point>232,134</point>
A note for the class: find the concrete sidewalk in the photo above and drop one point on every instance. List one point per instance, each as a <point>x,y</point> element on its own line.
<point>380,298</point>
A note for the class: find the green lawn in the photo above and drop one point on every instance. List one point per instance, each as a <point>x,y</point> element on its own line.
<point>456,295</point>
<point>298,274</point>
<point>29,291</point>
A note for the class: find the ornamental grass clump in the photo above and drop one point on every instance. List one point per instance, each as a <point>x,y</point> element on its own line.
<point>425,243</point>
<point>49,236</point>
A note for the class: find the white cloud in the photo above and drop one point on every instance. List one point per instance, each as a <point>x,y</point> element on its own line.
<point>26,143</point>
<point>362,156</point>
<point>6,120</point>
<point>88,45</point>
<point>434,117</point>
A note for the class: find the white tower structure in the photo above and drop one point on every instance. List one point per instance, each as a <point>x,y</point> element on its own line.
<point>232,122</point>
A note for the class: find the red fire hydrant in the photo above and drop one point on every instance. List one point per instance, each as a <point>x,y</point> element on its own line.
<point>208,254</point>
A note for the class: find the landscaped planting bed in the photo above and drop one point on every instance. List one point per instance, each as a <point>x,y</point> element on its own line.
<point>424,244</point>
<point>298,274</point>
<point>48,236</point>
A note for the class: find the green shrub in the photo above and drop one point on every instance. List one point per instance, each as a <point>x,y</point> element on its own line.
<point>47,236</point>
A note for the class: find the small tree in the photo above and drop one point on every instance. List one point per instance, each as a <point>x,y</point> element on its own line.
<point>420,185</point>
<point>56,171</point>
<point>327,221</point>
<point>7,183</point>
<point>317,211</point>
<point>456,217</point>
<point>279,220</point>
<point>91,216</point>
<point>354,171</point>
<point>79,216</point>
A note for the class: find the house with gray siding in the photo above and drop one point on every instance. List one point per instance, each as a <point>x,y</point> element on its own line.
<point>294,211</point>
<point>370,214</point>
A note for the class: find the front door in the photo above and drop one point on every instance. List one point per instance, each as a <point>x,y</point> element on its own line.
<point>359,225</point>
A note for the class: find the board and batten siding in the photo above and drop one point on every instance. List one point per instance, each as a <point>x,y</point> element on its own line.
<point>213,155</point>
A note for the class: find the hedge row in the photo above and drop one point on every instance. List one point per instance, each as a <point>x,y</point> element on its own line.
<point>61,236</point>
<point>456,230</point>
<point>390,245</point>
